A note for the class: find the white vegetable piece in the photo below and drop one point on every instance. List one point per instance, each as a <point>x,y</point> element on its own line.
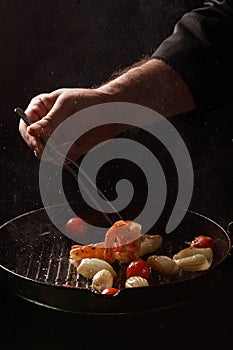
<point>90,266</point>
<point>163,264</point>
<point>197,262</point>
<point>150,243</point>
<point>136,281</point>
<point>189,251</point>
<point>102,279</point>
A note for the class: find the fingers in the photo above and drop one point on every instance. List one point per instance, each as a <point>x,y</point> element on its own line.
<point>63,106</point>
<point>36,110</point>
<point>47,111</point>
<point>38,107</point>
<point>32,142</point>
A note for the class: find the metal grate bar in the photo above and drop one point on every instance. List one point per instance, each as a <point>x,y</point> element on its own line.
<point>62,265</point>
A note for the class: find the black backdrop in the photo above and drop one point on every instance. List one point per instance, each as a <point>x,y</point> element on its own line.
<point>49,44</point>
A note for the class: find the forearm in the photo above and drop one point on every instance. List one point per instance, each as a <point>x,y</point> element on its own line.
<point>154,84</point>
<point>198,50</point>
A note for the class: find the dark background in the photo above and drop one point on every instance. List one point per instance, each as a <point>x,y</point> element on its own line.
<point>46,45</point>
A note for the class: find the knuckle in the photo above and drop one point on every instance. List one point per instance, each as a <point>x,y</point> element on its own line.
<point>37,99</point>
<point>40,99</point>
<point>60,91</point>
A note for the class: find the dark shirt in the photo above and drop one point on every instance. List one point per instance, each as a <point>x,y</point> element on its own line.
<point>200,50</point>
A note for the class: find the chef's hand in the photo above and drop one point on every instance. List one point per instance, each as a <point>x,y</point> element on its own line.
<point>47,111</point>
<point>151,83</point>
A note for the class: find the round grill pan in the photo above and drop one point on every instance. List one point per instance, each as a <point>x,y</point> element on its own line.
<point>34,264</point>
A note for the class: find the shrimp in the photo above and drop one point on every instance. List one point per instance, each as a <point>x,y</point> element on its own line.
<point>123,240</point>
<point>79,252</point>
<point>122,243</point>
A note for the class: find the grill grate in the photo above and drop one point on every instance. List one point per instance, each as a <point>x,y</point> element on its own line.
<point>47,261</point>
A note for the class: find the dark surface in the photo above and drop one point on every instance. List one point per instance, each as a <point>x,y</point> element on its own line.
<point>204,321</point>
<point>80,43</point>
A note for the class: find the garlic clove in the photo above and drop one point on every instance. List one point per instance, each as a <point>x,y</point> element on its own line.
<point>102,279</point>
<point>150,243</point>
<point>163,264</point>
<point>136,281</point>
<point>189,251</point>
<point>90,266</point>
<point>196,262</point>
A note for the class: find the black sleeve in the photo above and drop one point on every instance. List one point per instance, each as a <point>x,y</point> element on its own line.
<point>200,50</point>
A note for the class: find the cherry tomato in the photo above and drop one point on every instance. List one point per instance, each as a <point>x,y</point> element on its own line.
<point>202,242</point>
<point>138,268</point>
<point>76,227</point>
<point>110,291</point>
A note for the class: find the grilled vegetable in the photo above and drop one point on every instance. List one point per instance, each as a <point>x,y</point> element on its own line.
<point>163,264</point>
<point>110,291</point>
<point>197,262</point>
<point>207,252</point>
<point>102,279</point>
<point>150,243</point>
<point>90,266</point>
<point>202,242</point>
<point>136,281</point>
<point>138,268</point>
<point>76,227</point>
